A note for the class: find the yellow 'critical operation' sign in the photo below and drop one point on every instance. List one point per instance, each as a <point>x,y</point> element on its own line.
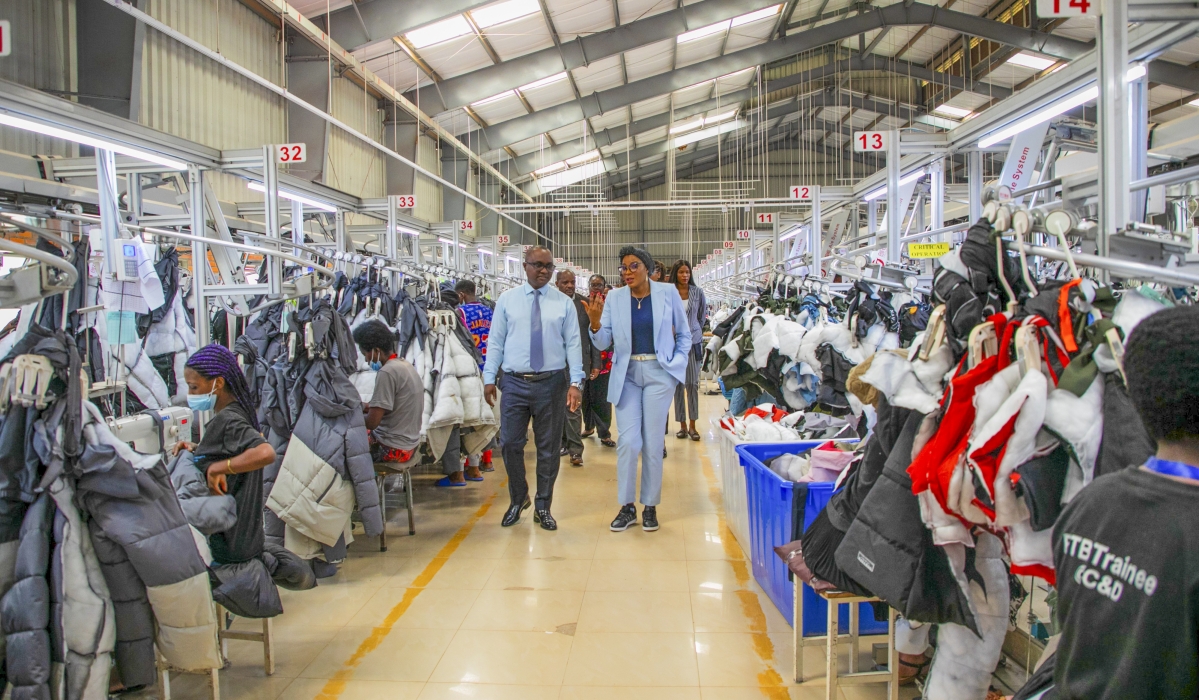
<point>927,250</point>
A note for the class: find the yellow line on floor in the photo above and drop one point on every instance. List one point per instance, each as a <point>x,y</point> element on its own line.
<point>769,681</point>
<point>337,684</point>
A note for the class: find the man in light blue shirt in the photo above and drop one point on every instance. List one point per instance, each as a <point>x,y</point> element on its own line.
<point>534,339</point>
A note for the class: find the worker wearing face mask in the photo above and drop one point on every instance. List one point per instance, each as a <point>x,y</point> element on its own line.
<point>393,415</point>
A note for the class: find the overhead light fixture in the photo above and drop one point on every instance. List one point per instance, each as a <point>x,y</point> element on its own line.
<point>1044,114</point>
<point>543,82</point>
<point>717,118</point>
<point>552,168</point>
<point>494,98</point>
<point>708,133</point>
<point>684,127</point>
<point>47,130</point>
<point>703,32</point>
<point>408,232</point>
<point>794,232</point>
<point>1194,103</point>
<point>444,30</point>
<point>484,251</point>
<point>911,177</point>
<point>585,158</point>
<point>446,240</point>
<point>955,112</point>
<point>570,177</point>
<point>258,187</point>
<point>504,12</point>
<point>1029,60</point>
<point>757,15</point>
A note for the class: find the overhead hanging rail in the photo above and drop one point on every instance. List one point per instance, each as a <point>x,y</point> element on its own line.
<point>31,283</point>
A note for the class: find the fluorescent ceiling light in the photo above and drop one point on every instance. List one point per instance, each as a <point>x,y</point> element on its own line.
<point>1044,114</point>
<point>504,12</point>
<point>703,32</point>
<point>910,177</point>
<point>687,126</point>
<point>444,30</point>
<point>47,130</point>
<point>737,72</point>
<point>1029,60</point>
<point>543,82</point>
<point>956,112</point>
<point>570,177</point>
<point>717,118</point>
<point>585,158</point>
<point>446,240</point>
<point>552,168</point>
<point>757,15</point>
<point>1194,103</point>
<point>494,98</point>
<point>258,187</point>
<point>484,251</point>
<point>408,232</point>
<point>794,232</point>
<point>709,132</point>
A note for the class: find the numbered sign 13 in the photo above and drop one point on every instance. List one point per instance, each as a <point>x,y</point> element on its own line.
<point>869,141</point>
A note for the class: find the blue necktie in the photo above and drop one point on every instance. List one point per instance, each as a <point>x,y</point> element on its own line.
<point>536,351</point>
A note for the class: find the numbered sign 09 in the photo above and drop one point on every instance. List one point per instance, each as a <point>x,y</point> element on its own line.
<point>870,141</point>
<point>729,245</point>
<point>286,153</point>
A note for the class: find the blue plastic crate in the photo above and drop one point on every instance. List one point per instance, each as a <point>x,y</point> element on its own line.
<point>769,499</point>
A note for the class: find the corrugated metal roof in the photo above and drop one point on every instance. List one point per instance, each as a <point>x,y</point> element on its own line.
<point>456,56</point>
<point>570,132</point>
<point>519,37</point>
<point>746,35</point>
<point>650,60</point>
<point>700,49</point>
<point>580,17</point>
<point>497,110</point>
<point>545,96</point>
<point>609,119</point>
<point>599,75</point>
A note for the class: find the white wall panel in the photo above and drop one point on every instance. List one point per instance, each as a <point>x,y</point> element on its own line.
<point>43,58</point>
<point>428,192</point>
<point>351,165</point>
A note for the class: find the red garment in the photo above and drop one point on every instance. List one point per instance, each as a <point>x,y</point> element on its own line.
<point>392,455</point>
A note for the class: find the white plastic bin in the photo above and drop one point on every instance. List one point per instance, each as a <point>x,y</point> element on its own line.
<point>732,479</point>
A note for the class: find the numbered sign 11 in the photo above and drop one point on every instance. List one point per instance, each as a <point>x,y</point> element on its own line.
<point>406,201</point>
<point>870,141</point>
<point>286,153</point>
<point>766,217</point>
<point>465,225</point>
<point>1067,8</point>
<point>503,240</point>
<point>743,235</point>
<point>802,192</point>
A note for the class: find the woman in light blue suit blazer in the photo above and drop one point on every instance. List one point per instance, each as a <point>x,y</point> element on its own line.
<point>646,325</point>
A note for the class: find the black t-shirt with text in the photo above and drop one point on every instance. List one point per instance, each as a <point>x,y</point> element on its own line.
<point>1126,551</point>
<point>227,435</point>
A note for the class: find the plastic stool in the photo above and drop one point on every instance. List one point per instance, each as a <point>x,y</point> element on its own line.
<point>384,470</point>
<point>833,680</point>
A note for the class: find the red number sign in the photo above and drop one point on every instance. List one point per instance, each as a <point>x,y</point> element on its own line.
<point>801,192</point>
<point>766,218</point>
<point>866,141</point>
<point>291,153</point>
<point>406,201</point>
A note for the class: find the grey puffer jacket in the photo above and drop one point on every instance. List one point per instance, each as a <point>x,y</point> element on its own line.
<point>207,512</point>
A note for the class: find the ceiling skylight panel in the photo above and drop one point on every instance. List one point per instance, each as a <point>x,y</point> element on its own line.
<point>494,98</point>
<point>703,32</point>
<point>684,127</point>
<point>444,30</point>
<point>955,112</point>
<point>543,82</point>
<point>503,12</point>
<point>1029,60</point>
<point>757,15</point>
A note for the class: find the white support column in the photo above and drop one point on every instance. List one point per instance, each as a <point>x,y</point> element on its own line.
<point>297,226</point>
<point>937,172</point>
<point>815,233</point>
<point>974,179</point>
<point>199,224</point>
<point>1113,121</point>
<point>341,242</point>
<point>270,195</point>
<point>872,220</point>
<point>106,187</point>
<point>894,215</point>
<point>133,186</point>
<point>391,243</point>
<point>1138,91</point>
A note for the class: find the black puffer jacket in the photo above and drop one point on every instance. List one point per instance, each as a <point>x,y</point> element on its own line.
<point>25,608</point>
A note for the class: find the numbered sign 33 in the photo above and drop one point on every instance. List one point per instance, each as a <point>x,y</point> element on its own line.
<point>286,153</point>
<point>765,218</point>
<point>802,192</point>
<point>465,225</point>
<point>406,201</point>
<point>1067,8</point>
<point>743,235</point>
<point>868,141</point>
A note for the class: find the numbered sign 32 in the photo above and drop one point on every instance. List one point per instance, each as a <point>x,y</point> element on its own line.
<point>465,225</point>
<point>406,201</point>
<point>743,235</point>
<point>766,217</point>
<point>503,240</point>
<point>801,192</point>
<point>1067,8</point>
<point>286,153</point>
<point>870,141</point>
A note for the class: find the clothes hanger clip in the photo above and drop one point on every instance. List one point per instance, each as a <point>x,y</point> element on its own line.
<point>934,334</point>
<point>982,343</point>
<point>1028,351</point>
<point>1117,347</point>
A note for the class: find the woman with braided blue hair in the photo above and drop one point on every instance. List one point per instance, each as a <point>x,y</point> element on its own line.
<point>232,452</point>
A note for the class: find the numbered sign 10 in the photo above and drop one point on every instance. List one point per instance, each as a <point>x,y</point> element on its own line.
<point>802,192</point>
<point>286,153</point>
<point>743,235</point>
<point>729,245</point>
<point>766,217</point>
<point>1067,8</point>
<point>870,141</point>
<point>406,201</point>
<point>503,240</point>
<point>465,225</point>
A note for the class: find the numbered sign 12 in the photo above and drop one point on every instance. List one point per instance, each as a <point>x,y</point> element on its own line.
<point>802,192</point>
<point>465,225</point>
<point>503,240</point>
<point>743,235</point>
<point>1067,8</point>
<point>287,153</point>
<point>870,141</point>
<point>406,201</point>
<point>766,217</point>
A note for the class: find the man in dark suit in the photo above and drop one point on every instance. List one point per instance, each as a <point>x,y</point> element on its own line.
<point>572,442</point>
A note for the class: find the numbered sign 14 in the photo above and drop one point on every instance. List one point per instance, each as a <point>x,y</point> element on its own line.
<point>870,141</point>
<point>743,235</point>
<point>286,153</point>
<point>1067,8</point>
<point>766,217</point>
<point>801,192</point>
<point>406,201</point>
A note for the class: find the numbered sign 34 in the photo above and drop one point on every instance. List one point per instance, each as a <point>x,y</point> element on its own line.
<point>286,153</point>
<point>870,141</point>
<point>766,217</point>
<point>743,235</point>
<point>802,192</point>
<point>465,225</point>
<point>406,201</point>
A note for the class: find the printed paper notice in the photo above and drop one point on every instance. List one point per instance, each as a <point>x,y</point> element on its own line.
<point>927,250</point>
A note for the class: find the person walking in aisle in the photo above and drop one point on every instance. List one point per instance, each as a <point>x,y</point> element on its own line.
<point>658,273</point>
<point>572,439</point>
<point>686,394</point>
<point>476,317</point>
<point>646,324</point>
<point>534,337</point>
<point>597,416</point>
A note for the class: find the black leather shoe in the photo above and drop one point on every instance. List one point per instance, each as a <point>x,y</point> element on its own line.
<point>513,515</point>
<point>542,516</point>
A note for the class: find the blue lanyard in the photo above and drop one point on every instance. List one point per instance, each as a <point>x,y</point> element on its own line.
<point>1162,466</point>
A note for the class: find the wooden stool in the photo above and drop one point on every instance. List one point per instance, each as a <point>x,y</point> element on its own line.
<point>404,470</point>
<point>164,678</point>
<point>830,641</point>
<point>266,637</point>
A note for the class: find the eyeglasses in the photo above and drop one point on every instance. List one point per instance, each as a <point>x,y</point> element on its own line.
<point>631,267</point>
<point>540,266</point>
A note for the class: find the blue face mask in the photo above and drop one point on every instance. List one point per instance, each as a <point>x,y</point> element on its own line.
<point>376,366</point>
<point>202,402</point>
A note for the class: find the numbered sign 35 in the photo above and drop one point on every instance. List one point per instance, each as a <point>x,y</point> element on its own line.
<point>729,245</point>
<point>803,192</point>
<point>406,201</point>
<point>465,225</point>
<point>1067,8</point>
<point>5,37</point>
<point>766,217</point>
<point>291,153</point>
<point>743,235</point>
<point>503,240</point>
<point>868,141</point>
